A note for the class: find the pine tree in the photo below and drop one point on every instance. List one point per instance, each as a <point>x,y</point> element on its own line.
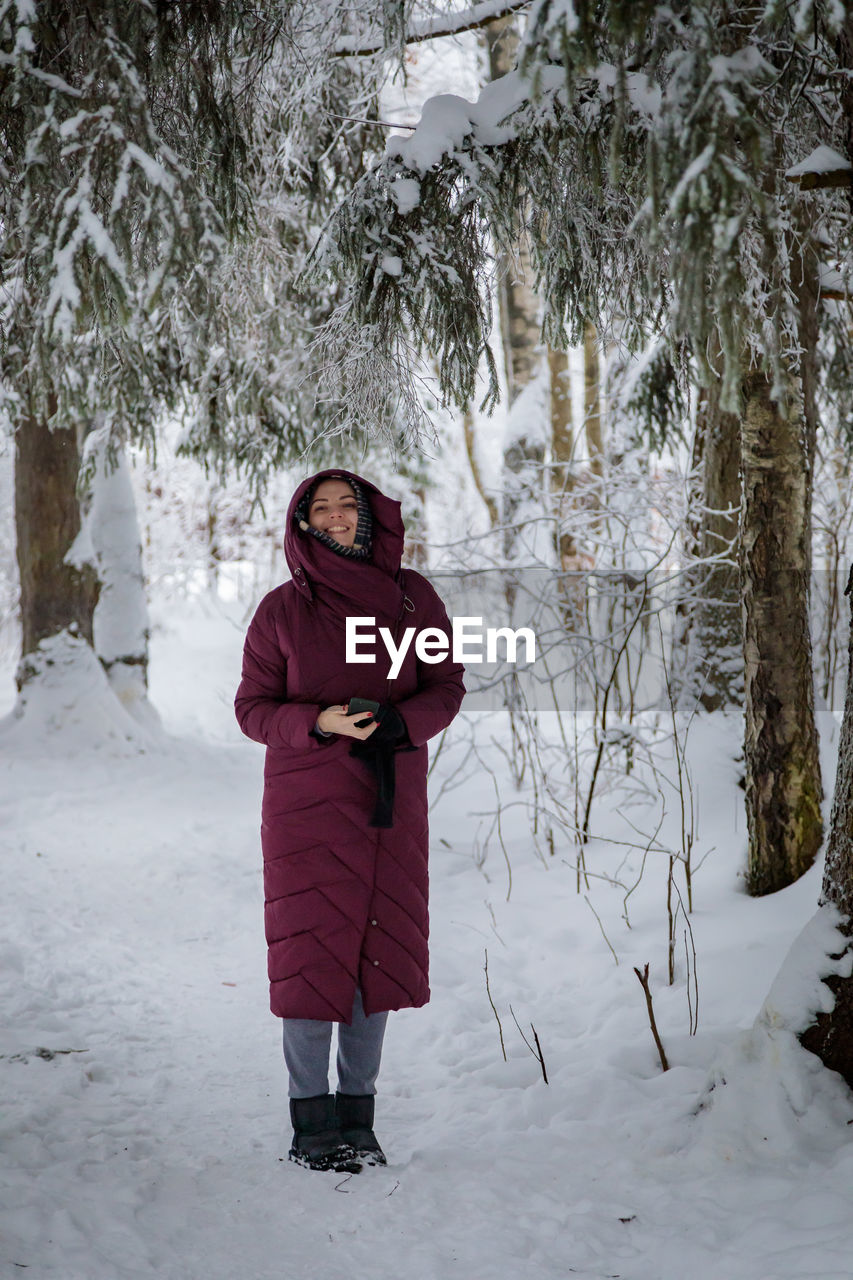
<point>652,145</point>
<point>163,171</point>
<point>123,132</point>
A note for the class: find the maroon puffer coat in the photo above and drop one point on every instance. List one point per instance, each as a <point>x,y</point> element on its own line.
<point>346,903</point>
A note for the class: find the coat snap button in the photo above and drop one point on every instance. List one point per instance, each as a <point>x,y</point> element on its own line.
<point>373,922</point>
<point>376,962</point>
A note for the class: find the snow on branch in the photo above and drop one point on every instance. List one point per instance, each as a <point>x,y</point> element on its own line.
<point>479,15</point>
<point>835,283</point>
<point>641,170</point>
<point>447,120</point>
<point>824,167</point>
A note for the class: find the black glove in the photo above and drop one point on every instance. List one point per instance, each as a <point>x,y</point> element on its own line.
<point>378,752</point>
<point>390,730</point>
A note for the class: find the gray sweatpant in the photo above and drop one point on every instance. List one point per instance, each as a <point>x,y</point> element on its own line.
<point>307,1045</point>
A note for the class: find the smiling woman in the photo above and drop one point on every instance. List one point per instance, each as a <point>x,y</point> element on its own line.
<point>344,824</point>
<point>334,510</point>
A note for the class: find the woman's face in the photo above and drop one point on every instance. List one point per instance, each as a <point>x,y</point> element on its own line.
<point>334,510</point>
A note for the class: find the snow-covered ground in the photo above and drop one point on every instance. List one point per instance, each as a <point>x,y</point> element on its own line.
<point>144,1121</point>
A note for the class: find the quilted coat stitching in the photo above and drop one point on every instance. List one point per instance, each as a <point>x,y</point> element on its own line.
<point>327,874</point>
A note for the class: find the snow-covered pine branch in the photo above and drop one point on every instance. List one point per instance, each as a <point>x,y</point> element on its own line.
<point>434,28</point>
<point>652,160</point>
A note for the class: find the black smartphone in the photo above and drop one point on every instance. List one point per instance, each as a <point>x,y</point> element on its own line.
<point>358,706</point>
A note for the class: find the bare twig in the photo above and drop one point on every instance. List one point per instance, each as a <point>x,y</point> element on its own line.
<point>603,719</point>
<point>692,975</point>
<point>692,1009</point>
<point>501,839</point>
<point>436,753</point>
<point>644,983</point>
<point>601,926</point>
<point>537,1052</point>
<point>379,124</point>
<point>670,919</point>
<point>494,1010</point>
<point>685,782</point>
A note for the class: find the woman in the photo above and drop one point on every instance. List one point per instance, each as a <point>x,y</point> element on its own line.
<point>344,819</point>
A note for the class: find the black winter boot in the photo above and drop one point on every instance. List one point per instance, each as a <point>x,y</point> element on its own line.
<point>317,1139</point>
<point>355,1116</point>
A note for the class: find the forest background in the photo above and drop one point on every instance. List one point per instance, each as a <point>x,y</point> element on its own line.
<point>570,280</point>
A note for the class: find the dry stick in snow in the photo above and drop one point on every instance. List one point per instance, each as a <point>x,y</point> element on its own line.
<point>685,783</point>
<point>692,1007</point>
<point>670,918</point>
<point>692,977</point>
<point>601,926</point>
<point>603,721</point>
<point>644,983</point>
<point>494,1010</point>
<point>537,1052</point>
<point>501,839</point>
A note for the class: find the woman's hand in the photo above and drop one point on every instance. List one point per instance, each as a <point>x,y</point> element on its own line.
<point>335,720</point>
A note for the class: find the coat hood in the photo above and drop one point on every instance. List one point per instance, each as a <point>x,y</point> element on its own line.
<point>350,586</point>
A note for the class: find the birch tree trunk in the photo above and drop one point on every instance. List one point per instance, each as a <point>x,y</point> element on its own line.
<point>56,595</point>
<point>717,625</point>
<point>518,305</point>
<point>518,310</point>
<point>572,585</point>
<point>783,786</point>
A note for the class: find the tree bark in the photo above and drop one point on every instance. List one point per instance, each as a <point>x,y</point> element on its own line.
<point>55,595</point>
<point>518,310</point>
<point>783,786</point>
<point>845,57</point>
<point>518,306</point>
<point>592,400</point>
<point>717,626</point>
<point>572,583</point>
<point>831,1035</point>
<point>838,870</point>
<point>562,449</point>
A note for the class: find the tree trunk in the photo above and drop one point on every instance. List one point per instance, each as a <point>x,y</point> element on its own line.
<point>845,57</point>
<point>717,626</point>
<point>571,564</point>
<point>121,625</point>
<point>838,869</point>
<point>562,449</point>
<point>415,546</point>
<point>592,400</point>
<point>518,305</point>
<point>471,452</point>
<point>783,786</point>
<point>831,1035</point>
<point>55,594</point>
<point>214,555</point>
